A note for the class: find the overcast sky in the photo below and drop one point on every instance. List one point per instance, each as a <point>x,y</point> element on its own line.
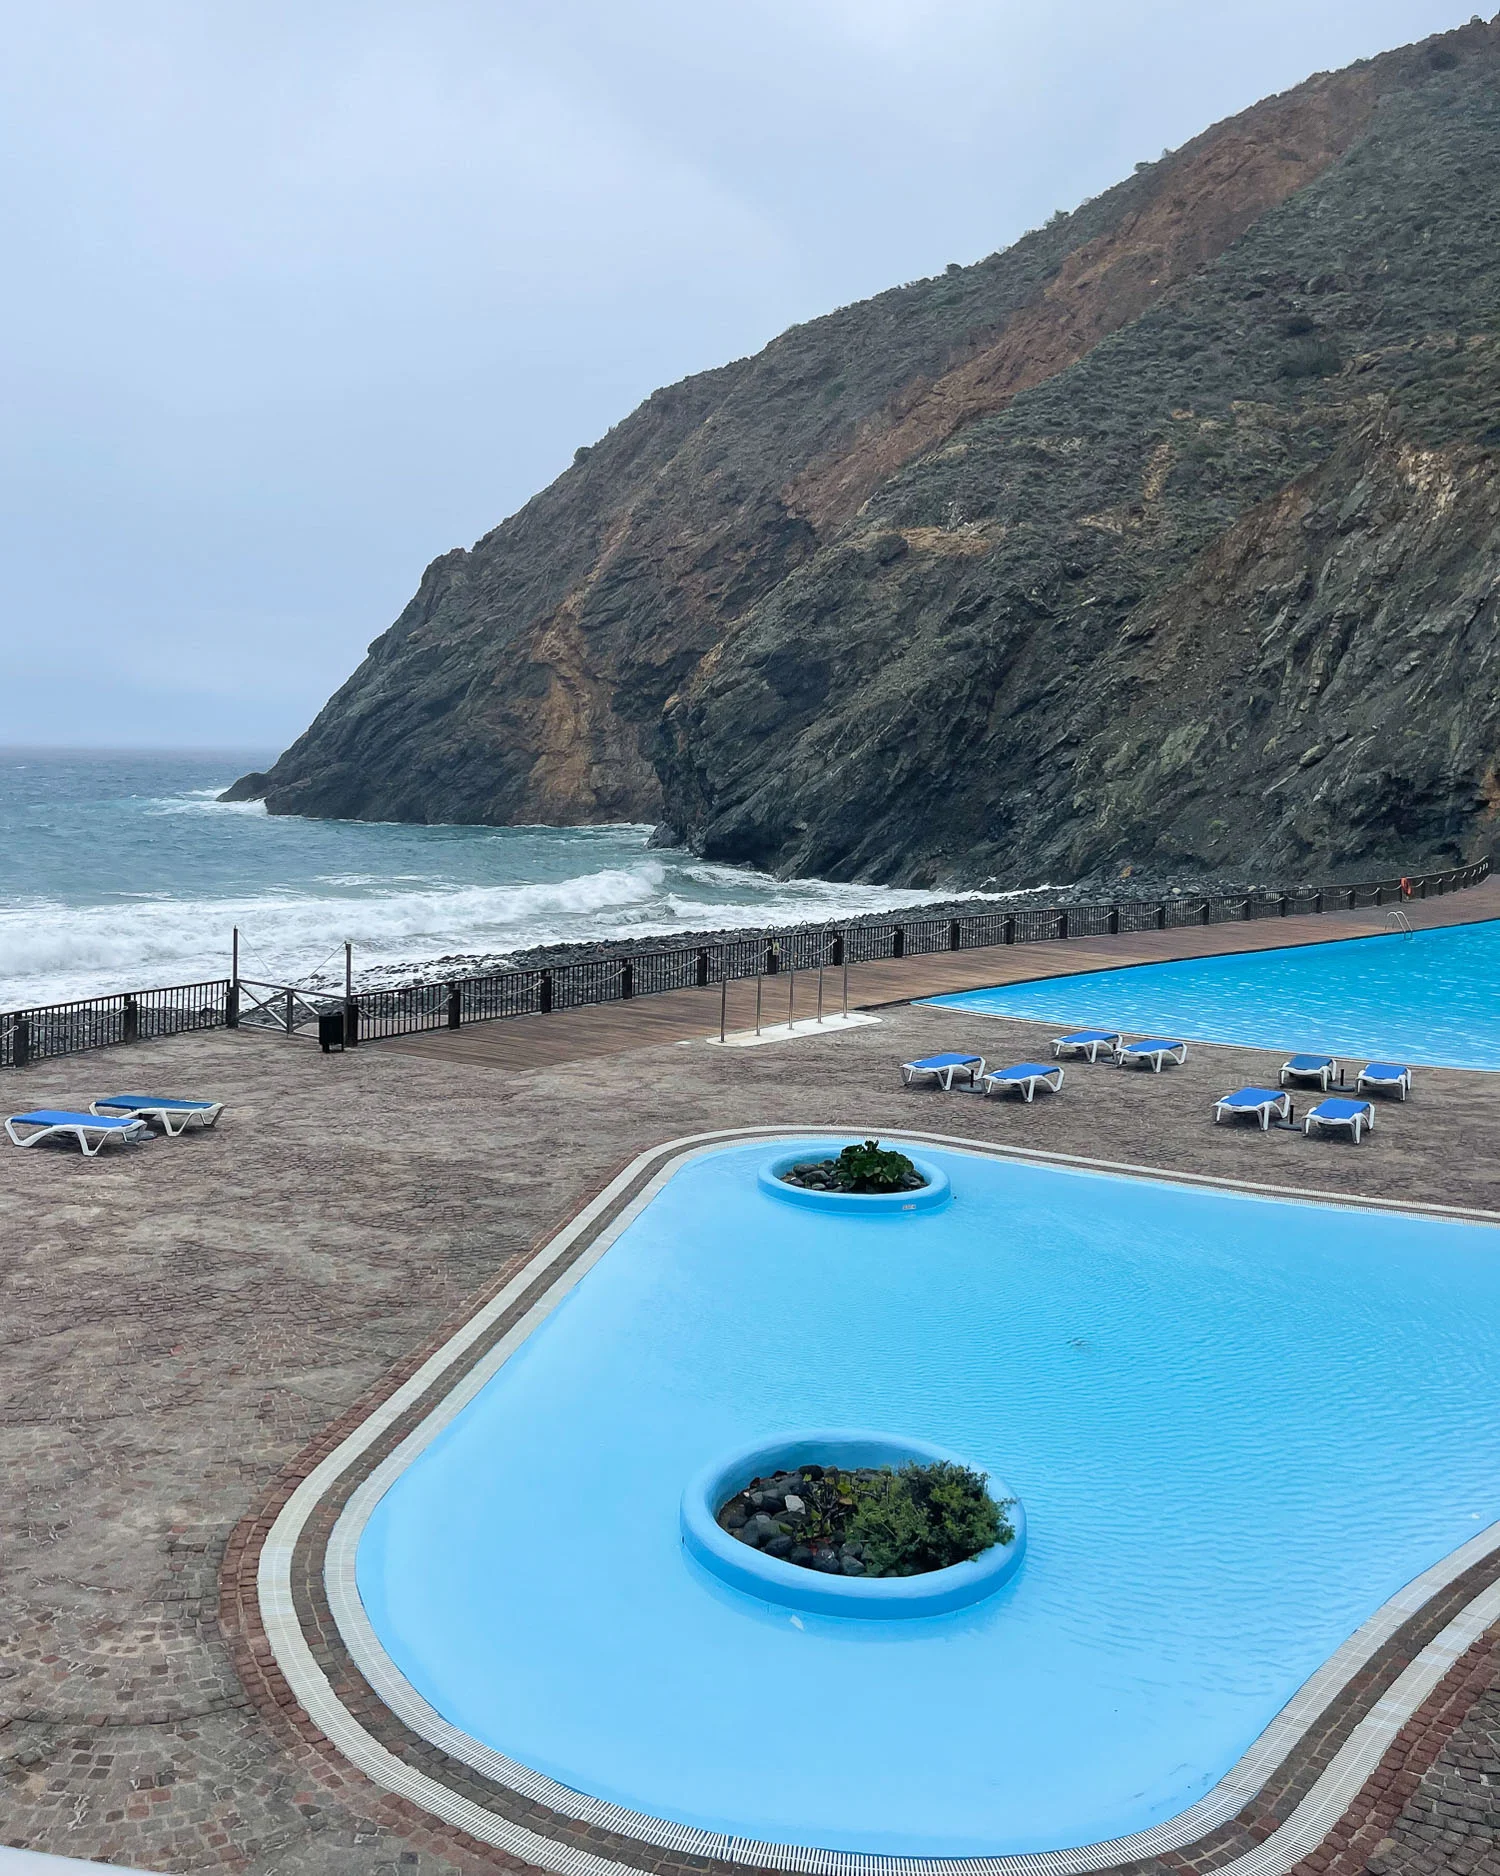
<point>298,296</point>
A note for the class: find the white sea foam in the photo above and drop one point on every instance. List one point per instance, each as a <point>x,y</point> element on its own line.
<point>50,951</point>
<point>201,801</point>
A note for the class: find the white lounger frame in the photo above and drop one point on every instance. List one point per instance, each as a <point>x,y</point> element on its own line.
<point>80,1129</point>
<point>203,1116</point>
<point>943,1076</point>
<point>1133,1052</point>
<point>1109,1041</point>
<point>1325,1076</point>
<point>1027,1084</point>
<point>1354,1122</point>
<point>1279,1104</point>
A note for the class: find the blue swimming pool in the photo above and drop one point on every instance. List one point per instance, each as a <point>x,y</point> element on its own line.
<point>1431,997</point>
<point>1237,1427</point>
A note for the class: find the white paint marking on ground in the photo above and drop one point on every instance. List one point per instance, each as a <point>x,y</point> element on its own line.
<point>798,1031</point>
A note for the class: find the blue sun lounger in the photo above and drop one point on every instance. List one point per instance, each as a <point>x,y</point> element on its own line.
<point>1151,1053</point>
<point>1385,1078</point>
<point>1024,1079</point>
<point>1261,1102</point>
<point>1319,1068</point>
<point>1339,1112</point>
<point>941,1069</point>
<point>1088,1042</point>
<point>89,1130</point>
<point>175,1116</point>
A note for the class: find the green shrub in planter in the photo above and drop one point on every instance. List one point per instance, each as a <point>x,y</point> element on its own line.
<point>926,1518</point>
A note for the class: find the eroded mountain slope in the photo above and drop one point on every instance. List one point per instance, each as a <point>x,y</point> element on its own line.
<point>972,580</point>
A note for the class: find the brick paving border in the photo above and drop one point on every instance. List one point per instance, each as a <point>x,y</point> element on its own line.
<point>1247,1841</point>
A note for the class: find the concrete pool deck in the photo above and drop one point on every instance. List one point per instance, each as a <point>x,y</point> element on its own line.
<point>187,1328</point>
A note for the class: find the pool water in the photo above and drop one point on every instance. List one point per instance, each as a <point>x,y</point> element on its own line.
<point>1429,997</point>
<point>1237,1426</point>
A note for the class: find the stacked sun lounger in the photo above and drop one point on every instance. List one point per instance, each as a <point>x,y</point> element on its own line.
<point>940,1070</point>
<point>1153,1053</point>
<point>1340,1114</point>
<point>1322,1069</point>
<point>173,1116</point>
<point>1259,1103</point>
<point>1089,1043</point>
<point>1024,1079</point>
<point>92,1131</point>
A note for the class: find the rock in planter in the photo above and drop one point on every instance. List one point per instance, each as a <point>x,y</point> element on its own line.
<point>842,1523</point>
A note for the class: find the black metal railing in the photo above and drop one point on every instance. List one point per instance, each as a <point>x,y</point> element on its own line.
<point>95,1022</point>
<point>98,1022</point>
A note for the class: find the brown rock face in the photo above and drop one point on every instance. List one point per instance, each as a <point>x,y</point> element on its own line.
<point>938,588</point>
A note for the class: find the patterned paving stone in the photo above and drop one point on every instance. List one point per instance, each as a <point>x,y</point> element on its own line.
<point>178,1325</point>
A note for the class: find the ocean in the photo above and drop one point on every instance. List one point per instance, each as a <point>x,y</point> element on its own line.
<point>120,870</point>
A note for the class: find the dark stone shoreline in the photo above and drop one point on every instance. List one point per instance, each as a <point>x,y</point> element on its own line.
<point>548,957</point>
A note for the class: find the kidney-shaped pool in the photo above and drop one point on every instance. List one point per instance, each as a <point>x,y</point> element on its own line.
<point>1237,1427</point>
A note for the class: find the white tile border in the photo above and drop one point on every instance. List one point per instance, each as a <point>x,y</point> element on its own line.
<point>1307,1826</point>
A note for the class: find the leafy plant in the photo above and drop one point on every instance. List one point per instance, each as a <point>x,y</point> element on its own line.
<point>924,1517</point>
<point>872,1168</point>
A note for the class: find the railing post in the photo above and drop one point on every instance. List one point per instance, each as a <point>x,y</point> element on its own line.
<point>1062,924</point>
<point>1283,905</point>
<point>288,1017</point>
<point>836,950</point>
<point>898,941</point>
<point>1380,894</point>
<point>1009,930</point>
<point>773,957</point>
<point>544,996</point>
<point>232,1007</point>
<point>351,1023</point>
<point>130,1020</point>
<point>1319,905</point>
<point>1161,916</point>
<point>21,1042</point>
<point>703,973</point>
<point>627,978</point>
<point>955,943</point>
<point>455,1007</point>
<point>1421,894</point>
<point>1114,921</point>
<point>1205,912</point>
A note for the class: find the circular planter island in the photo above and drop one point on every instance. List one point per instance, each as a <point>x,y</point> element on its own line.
<point>928,1197</point>
<point>771,1579</point>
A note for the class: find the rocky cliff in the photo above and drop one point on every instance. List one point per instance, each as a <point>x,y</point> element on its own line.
<point>1169,537</point>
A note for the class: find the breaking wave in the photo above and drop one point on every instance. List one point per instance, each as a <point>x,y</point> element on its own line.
<point>49,951</point>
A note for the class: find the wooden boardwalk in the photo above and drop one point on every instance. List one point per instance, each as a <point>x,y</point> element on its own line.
<point>691,1015</point>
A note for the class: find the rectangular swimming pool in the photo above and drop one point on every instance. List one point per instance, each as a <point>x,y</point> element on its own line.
<point>1428,997</point>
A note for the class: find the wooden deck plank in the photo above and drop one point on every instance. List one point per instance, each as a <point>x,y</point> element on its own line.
<point>607,1029</point>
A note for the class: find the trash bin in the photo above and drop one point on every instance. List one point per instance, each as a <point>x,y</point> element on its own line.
<point>330,1030</point>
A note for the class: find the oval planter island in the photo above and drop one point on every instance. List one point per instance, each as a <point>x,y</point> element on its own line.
<point>927,1198</point>
<point>770,1579</point>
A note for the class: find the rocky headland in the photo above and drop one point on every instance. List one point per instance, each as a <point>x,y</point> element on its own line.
<point>1168,538</point>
